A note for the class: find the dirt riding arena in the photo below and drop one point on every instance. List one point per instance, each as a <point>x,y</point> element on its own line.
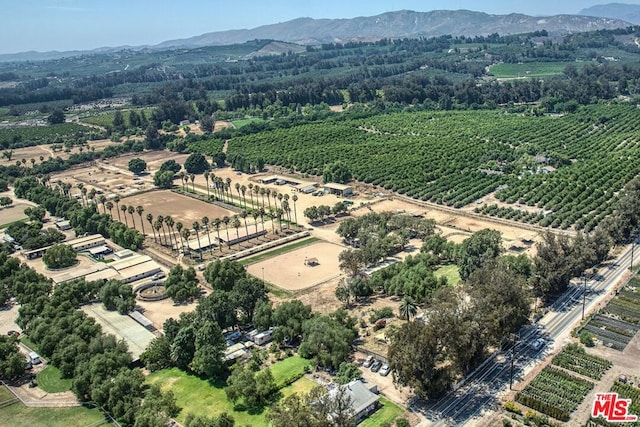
<point>288,271</point>
<point>154,160</point>
<point>13,213</point>
<point>181,208</point>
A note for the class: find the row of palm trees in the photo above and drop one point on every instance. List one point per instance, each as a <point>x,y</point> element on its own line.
<point>222,191</point>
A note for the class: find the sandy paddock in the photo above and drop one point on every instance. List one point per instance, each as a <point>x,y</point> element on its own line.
<point>13,213</point>
<point>181,208</point>
<point>154,159</point>
<point>288,271</point>
<point>46,152</point>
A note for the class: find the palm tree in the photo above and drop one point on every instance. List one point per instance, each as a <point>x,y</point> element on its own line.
<point>92,197</point>
<point>263,191</point>
<point>103,199</point>
<point>192,177</point>
<point>237,186</point>
<point>295,212</point>
<point>170,223</point>
<point>236,225</point>
<point>408,308</point>
<point>287,211</point>
<point>205,226</point>
<point>244,214</point>
<point>123,208</point>
<point>268,193</point>
<point>131,211</point>
<point>109,206</point>
<point>196,228</point>
<point>243,190</point>
<point>84,195</point>
<point>262,214</point>
<point>280,213</point>
<point>140,210</point>
<point>181,175</point>
<point>228,188</point>
<point>116,201</point>
<point>206,178</point>
<point>179,227</point>
<point>216,225</point>
<point>251,192</point>
<point>255,214</point>
<point>274,194</point>
<point>272,214</point>
<point>185,235</point>
<point>160,220</point>
<point>226,220</point>
<point>150,219</point>
<point>156,227</point>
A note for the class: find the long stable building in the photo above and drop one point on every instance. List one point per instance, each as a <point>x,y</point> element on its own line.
<point>79,244</point>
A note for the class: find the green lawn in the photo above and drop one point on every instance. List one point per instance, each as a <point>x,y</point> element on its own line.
<point>278,251</point>
<point>450,271</point>
<point>5,394</point>
<point>529,69</point>
<point>288,368</point>
<point>387,412</point>
<point>303,385</point>
<point>243,122</point>
<point>198,396</point>
<point>18,415</point>
<point>49,380</point>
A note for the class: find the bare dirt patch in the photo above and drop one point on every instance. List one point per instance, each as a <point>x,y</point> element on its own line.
<point>288,271</point>
<point>13,213</point>
<point>181,208</point>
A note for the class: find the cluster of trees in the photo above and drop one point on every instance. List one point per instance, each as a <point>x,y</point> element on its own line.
<point>31,236</point>
<point>84,219</point>
<point>378,235</point>
<point>493,303</point>
<point>182,285</point>
<point>137,165</point>
<point>60,256</point>
<point>97,364</point>
<point>322,212</point>
<point>336,172</point>
<point>11,359</point>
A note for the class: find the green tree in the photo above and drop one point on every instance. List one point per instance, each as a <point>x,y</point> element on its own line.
<point>196,164</point>
<point>326,340</point>
<point>11,360</point>
<point>223,275</point>
<point>210,345</point>
<point>163,179</point>
<point>247,293</point>
<point>35,213</point>
<point>56,117</point>
<point>288,318</point>
<point>348,372</point>
<point>336,172</point>
<point>182,285</point>
<point>118,122</point>
<point>481,247</point>
<point>60,256</point>
<point>137,165</point>
<point>157,355</point>
<point>408,308</point>
<point>116,295</point>
<point>255,389</point>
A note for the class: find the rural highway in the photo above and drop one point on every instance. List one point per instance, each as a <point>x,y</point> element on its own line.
<point>481,389</point>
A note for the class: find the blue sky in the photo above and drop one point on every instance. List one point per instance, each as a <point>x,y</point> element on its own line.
<point>44,25</point>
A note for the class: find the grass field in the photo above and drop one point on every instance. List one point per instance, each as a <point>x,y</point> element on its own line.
<point>243,122</point>
<point>49,380</point>
<point>106,119</point>
<point>18,415</point>
<point>529,69</point>
<point>201,397</point>
<point>450,271</point>
<point>387,412</point>
<point>278,251</point>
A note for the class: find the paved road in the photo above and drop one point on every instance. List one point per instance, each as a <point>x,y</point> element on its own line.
<point>480,391</point>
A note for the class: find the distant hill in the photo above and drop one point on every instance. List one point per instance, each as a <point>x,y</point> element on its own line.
<point>400,24</point>
<point>405,23</point>
<point>623,11</point>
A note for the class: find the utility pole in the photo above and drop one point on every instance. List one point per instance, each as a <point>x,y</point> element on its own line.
<point>633,245</point>
<point>584,295</point>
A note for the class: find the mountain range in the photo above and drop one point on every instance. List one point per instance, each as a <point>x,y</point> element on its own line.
<point>625,12</point>
<point>400,24</point>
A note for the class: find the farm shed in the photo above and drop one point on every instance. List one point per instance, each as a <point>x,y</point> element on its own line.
<point>338,189</point>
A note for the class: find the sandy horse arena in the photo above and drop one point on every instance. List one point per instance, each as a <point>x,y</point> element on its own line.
<point>288,271</point>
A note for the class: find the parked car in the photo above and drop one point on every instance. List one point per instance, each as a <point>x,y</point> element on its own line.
<point>384,371</point>
<point>368,361</point>
<point>376,366</point>
<point>13,333</point>
<point>538,344</point>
